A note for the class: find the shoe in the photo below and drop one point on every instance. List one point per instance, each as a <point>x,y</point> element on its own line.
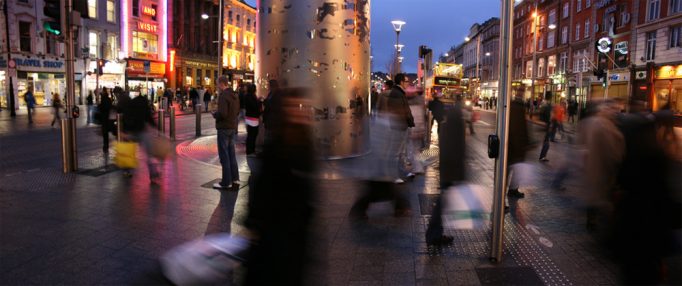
<point>442,240</point>
<point>544,159</point>
<point>218,186</point>
<point>410,175</point>
<point>398,181</point>
<point>236,182</point>
<point>515,193</point>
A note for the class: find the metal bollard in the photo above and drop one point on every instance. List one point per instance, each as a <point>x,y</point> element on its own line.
<point>162,121</point>
<point>119,126</point>
<point>164,104</point>
<point>197,111</point>
<point>171,123</point>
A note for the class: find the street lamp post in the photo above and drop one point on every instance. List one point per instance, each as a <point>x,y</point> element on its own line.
<point>397,26</point>
<point>220,35</point>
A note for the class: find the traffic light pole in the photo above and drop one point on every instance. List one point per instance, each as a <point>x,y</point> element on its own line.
<point>69,153</point>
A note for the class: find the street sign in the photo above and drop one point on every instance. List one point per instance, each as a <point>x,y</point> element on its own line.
<point>147,66</point>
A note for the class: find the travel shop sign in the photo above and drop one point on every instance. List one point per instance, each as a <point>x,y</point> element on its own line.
<point>31,64</point>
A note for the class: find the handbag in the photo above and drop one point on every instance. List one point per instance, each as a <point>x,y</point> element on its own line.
<point>126,155</point>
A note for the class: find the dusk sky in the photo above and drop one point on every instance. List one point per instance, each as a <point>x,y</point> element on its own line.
<point>438,24</point>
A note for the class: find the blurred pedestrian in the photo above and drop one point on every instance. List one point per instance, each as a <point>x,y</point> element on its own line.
<point>90,103</point>
<point>207,98</point>
<point>280,221</point>
<point>159,96</point>
<point>546,117</point>
<point>137,118</point>
<point>557,122</point>
<point>30,104</point>
<point>374,97</point>
<point>269,107</point>
<point>193,97</point>
<point>103,112</point>
<point>437,110</point>
<point>451,141</point>
<point>56,105</point>
<point>572,110</point>
<point>416,134</point>
<point>252,106</point>
<point>518,144</point>
<point>398,115</point>
<point>226,123</point>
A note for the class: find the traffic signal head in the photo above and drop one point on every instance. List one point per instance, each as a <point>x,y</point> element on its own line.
<point>53,28</point>
<point>100,66</point>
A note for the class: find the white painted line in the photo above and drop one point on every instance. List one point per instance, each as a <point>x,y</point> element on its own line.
<point>483,122</point>
<point>533,228</point>
<point>546,242</point>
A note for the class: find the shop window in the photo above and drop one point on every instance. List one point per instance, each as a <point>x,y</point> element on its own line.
<point>144,43</point>
<point>136,9</point>
<point>111,11</point>
<point>653,10</point>
<point>92,9</point>
<point>675,6</point>
<point>675,37</point>
<point>650,52</point>
<point>25,38</point>
<point>93,45</point>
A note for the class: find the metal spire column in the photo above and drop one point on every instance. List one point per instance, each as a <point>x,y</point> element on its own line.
<point>507,22</point>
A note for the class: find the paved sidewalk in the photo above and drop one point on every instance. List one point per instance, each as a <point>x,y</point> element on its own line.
<point>90,229</point>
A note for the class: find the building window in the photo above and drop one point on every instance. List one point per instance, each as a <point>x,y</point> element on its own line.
<point>112,42</point>
<point>564,34</point>
<point>50,44</point>
<point>675,37</point>
<point>93,45</point>
<point>588,3</point>
<point>541,43</point>
<point>650,52</point>
<point>578,5</point>
<point>675,6</point>
<point>92,9</point>
<point>248,22</point>
<point>111,11</point>
<point>550,39</point>
<point>577,32</point>
<point>144,43</point>
<point>587,28</point>
<point>563,62</point>
<point>136,9</point>
<point>552,17</point>
<point>551,65</point>
<point>653,10</point>
<point>541,67</point>
<point>154,8</point>
<point>229,15</point>
<point>529,69</point>
<point>25,38</point>
<point>238,17</point>
<point>564,13</point>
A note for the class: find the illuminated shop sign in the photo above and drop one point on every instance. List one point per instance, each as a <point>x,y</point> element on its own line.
<point>446,81</point>
<point>147,27</point>
<point>669,72</point>
<point>149,11</point>
<point>38,63</point>
<point>604,45</point>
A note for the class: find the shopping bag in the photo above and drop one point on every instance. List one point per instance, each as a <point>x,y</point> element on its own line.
<point>466,206</point>
<point>161,147</point>
<point>204,261</point>
<point>126,155</point>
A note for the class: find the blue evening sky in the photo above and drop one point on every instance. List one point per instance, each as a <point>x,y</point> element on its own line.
<point>438,24</point>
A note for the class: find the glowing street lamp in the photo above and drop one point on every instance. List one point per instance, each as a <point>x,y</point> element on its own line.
<point>398,26</point>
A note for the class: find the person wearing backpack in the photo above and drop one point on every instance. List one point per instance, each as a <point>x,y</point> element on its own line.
<point>546,116</point>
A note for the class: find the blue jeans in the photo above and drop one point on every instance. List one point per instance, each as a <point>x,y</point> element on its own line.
<point>227,156</point>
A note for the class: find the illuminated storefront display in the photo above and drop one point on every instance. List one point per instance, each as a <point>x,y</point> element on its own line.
<point>668,88</point>
<point>144,32</point>
<point>144,43</point>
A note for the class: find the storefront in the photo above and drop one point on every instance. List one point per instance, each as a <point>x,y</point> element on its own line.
<point>4,82</point>
<point>113,75</point>
<point>192,72</point>
<point>618,86</point>
<point>143,80</point>
<point>43,77</point>
<point>667,89</point>
<point>489,89</point>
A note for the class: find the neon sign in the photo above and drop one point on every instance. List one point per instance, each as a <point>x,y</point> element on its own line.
<point>147,27</point>
<point>149,11</point>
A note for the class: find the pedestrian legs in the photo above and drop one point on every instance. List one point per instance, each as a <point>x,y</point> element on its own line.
<point>434,231</point>
<point>205,106</point>
<point>545,146</point>
<point>224,144</point>
<point>233,156</point>
<point>251,135</point>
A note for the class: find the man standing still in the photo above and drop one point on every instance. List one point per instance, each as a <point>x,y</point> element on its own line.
<point>226,124</point>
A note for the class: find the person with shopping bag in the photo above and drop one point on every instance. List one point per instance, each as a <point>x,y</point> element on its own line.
<point>136,122</point>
